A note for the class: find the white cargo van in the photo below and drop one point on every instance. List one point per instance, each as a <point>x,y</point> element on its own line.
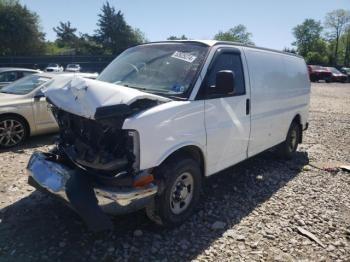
<point>162,117</point>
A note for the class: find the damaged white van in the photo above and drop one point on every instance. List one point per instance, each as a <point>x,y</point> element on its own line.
<point>162,117</point>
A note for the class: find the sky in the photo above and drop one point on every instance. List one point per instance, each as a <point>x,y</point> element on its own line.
<point>270,21</point>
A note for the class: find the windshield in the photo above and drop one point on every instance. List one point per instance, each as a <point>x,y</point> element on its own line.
<point>317,67</point>
<point>168,68</point>
<point>52,65</point>
<point>24,85</point>
<point>72,66</point>
<point>334,70</point>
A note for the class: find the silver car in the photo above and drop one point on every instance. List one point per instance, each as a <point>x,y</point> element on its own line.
<point>11,74</point>
<point>24,111</point>
<point>73,68</point>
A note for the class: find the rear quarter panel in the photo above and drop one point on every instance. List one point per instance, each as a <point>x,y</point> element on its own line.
<point>280,90</point>
<point>22,108</point>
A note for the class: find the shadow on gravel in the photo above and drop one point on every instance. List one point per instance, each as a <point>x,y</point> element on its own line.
<point>40,228</point>
<point>32,143</point>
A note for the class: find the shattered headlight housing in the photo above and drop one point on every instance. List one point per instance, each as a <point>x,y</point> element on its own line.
<point>134,147</point>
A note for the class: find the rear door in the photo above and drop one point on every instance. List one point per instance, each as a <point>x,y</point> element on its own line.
<point>227,116</point>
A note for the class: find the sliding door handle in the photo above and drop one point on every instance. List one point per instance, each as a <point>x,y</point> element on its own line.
<point>247,106</point>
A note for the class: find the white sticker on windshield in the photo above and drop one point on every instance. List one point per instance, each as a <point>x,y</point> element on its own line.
<point>184,56</point>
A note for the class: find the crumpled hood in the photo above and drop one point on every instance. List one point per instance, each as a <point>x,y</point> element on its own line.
<point>82,96</point>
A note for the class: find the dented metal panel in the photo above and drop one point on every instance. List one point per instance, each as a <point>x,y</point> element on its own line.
<point>83,97</point>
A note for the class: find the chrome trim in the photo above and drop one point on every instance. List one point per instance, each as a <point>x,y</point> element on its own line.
<point>53,177</point>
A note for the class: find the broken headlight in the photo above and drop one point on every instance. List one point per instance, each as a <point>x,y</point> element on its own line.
<point>134,147</point>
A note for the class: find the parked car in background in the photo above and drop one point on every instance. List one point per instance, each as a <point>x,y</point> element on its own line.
<point>346,71</point>
<point>11,74</point>
<point>54,68</point>
<point>317,73</point>
<point>162,118</point>
<point>73,68</point>
<point>23,108</point>
<point>337,76</point>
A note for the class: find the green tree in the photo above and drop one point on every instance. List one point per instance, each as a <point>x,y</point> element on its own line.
<point>316,58</point>
<point>289,50</point>
<point>183,37</point>
<point>88,45</point>
<point>236,34</point>
<point>139,37</point>
<point>20,32</point>
<point>346,41</point>
<point>307,35</point>
<point>114,34</point>
<point>336,21</point>
<point>66,34</point>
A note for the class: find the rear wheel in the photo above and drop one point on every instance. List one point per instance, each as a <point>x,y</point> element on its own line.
<point>288,148</point>
<point>13,131</point>
<point>181,194</point>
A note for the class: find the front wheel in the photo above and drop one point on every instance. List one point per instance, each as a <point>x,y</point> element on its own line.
<point>290,145</point>
<point>13,131</point>
<point>181,194</point>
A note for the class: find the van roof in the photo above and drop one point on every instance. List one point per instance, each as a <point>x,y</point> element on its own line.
<point>215,42</point>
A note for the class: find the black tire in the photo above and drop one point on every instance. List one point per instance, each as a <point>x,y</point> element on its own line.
<point>161,210</point>
<point>288,148</point>
<point>19,126</point>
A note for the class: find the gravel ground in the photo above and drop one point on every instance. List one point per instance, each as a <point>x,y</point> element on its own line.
<point>261,210</point>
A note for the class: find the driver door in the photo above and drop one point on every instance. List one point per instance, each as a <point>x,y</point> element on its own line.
<point>227,116</point>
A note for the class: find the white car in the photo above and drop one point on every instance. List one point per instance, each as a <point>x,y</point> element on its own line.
<point>54,68</point>
<point>73,68</point>
<point>11,74</point>
<point>164,116</point>
<point>23,108</point>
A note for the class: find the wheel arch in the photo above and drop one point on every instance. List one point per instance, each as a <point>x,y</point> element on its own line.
<point>190,150</point>
<point>297,119</point>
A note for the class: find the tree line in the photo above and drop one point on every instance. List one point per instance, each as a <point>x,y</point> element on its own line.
<point>21,34</point>
<point>326,42</point>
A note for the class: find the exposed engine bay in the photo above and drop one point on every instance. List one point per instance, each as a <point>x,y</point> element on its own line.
<point>101,144</point>
<point>93,139</point>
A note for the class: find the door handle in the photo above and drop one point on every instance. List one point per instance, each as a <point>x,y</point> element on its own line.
<point>247,106</point>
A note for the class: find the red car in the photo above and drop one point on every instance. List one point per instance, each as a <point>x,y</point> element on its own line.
<point>318,73</point>
<point>337,76</point>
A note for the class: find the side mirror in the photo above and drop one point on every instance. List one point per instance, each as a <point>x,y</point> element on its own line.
<point>225,82</point>
<point>38,95</point>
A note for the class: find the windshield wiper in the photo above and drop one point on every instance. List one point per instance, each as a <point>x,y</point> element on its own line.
<point>149,90</point>
<point>156,91</point>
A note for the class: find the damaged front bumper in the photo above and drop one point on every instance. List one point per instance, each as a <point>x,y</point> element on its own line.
<point>90,199</point>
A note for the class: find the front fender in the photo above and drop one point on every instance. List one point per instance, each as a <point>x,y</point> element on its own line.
<point>166,128</point>
<point>175,148</point>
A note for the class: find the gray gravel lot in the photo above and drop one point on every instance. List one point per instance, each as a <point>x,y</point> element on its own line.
<point>256,211</point>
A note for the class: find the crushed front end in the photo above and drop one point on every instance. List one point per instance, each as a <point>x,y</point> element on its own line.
<point>95,164</point>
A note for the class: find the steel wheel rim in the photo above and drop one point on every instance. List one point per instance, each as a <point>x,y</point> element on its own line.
<point>293,140</point>
<point>181,193</point>
<point>12,132</point>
